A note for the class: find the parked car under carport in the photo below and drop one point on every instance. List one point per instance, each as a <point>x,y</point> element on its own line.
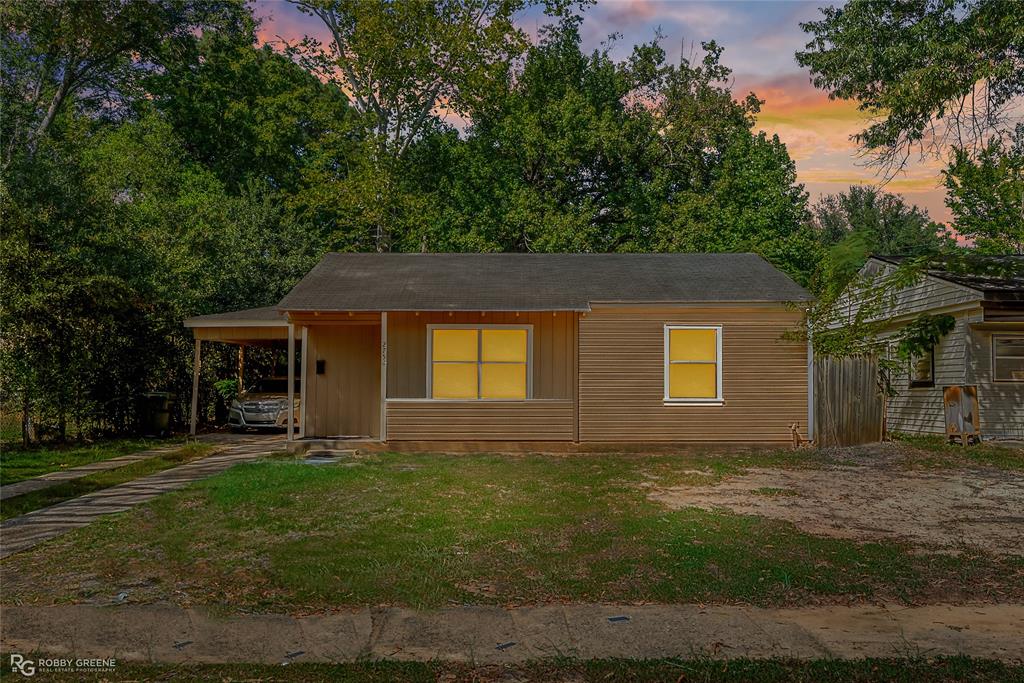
<point>263,406</point>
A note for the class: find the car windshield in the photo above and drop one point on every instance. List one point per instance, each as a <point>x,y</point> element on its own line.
<point>272,385</point>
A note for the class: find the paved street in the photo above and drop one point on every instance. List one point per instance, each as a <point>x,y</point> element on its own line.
<point>494,635</point>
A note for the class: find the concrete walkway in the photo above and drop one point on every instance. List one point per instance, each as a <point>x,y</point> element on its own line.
<point>50,479</point>
<point>493,635</point>
<point>26,531</point>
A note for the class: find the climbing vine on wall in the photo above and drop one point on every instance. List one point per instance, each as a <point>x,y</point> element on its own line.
<point>920,336</point>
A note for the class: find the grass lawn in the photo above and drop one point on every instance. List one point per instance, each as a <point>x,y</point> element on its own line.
<point>17,463</point>
<point>435,530</point>
<point>670,670</point>
<point>936,451</point>
<point>19,505</point>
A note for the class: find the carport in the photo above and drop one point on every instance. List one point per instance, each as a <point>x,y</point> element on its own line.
<point>247,327</point>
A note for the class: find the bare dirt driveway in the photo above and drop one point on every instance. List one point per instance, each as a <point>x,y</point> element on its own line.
<point>872,494</point>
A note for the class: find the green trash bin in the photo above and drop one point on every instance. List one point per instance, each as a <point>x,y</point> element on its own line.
<point>155,413</point>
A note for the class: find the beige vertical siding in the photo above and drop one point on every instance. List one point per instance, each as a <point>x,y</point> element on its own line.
<point>345,400</point>
<point>621,377</point>
<point>537,420</point>
<point>553,349</point>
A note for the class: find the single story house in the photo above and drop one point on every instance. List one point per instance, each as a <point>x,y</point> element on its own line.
<point>540,348</point>
<point>982,356</point>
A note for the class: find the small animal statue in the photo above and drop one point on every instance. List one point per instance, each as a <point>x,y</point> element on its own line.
<point>798,440</point>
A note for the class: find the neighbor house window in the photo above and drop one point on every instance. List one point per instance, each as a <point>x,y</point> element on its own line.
<point>1008,358</point>
<point>922,369</point>
<point>485,362</point>
<point>693,363</point>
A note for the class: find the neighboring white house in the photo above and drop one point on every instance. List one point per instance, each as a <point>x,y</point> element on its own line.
<point>984,350</point>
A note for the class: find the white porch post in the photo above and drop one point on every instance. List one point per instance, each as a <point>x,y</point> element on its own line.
<point>291,382</point>
<point>810,383</point>
<point>194,418</point>
<point>383,376</point>
<point>303,378</point>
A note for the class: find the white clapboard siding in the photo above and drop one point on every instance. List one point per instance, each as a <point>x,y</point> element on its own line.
<point>919,410</point>
<point>959,356</point>
<point>927,294</point>
<point>1001,404</point>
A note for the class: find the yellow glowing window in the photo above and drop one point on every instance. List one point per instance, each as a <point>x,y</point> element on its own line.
<point>479,363</point>
<point>693,363</point>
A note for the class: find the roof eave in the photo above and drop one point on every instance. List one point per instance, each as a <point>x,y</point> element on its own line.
<point>230,322</point>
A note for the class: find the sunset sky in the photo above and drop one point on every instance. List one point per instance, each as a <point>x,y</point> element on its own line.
<point>760,39</point>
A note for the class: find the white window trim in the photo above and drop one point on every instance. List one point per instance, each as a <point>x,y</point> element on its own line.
<point>994,338</point>
<point>666,362</point>
<point>473,326</point>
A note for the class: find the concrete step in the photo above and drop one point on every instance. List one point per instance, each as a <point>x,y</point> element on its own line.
<point>322,456</point>
<point>300,446</point>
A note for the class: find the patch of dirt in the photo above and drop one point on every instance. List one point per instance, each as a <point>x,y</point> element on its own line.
<point>949,509</point>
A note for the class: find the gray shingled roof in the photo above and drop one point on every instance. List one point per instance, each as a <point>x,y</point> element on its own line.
<point>265,315</point>
<point>532,282</point>
<point>997,276</point>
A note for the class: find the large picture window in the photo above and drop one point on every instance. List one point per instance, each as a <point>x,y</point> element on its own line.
<point>693,364</point>
<point>483,362</point>
<point>1008,358</point>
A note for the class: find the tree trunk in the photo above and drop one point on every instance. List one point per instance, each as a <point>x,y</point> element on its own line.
<point>26,419</point>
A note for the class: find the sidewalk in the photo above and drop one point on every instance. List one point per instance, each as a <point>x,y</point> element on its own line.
<point>26,531</point>
<point>493,635</point>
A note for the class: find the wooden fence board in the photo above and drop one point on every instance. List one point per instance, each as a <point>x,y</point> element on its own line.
<point>847,405</point>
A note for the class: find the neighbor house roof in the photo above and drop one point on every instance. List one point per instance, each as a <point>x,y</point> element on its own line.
<point>267,316</point>
<point>532,282</point>
<point>996,277</point>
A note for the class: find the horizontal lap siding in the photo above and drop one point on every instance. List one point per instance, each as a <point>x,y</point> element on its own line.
<point>1000,404</point>
<point>924,296</point>
<point>480,420</point>
<point>621,375</point>
<point>920,410</point>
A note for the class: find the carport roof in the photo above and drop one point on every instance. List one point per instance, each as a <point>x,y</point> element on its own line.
<point>266,316</point>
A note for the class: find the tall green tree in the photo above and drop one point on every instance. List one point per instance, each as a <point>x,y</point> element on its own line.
<point>579,152</point>
<point>406,67</point>
<point>986,195</point>
<point>852,225</point>
<point>931,73</point>
<point>555,157</point>
<point>87,55</point>
<point>941,78</point>
<point>244,112</point>
<point>130,235</point>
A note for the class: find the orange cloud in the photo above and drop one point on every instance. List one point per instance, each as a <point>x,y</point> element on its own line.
<point>804,118</point>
